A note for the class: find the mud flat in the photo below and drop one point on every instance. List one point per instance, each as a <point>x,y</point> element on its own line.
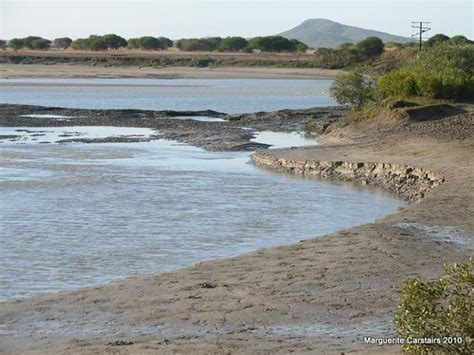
<point>320,295</point>
<point>9,70</point>
<point>231,132</point>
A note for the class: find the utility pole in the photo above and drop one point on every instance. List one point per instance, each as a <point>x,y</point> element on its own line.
<point>422,27</point>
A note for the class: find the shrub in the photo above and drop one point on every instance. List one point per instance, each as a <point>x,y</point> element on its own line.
<point>233,44</point>
<point>96,43</point>
<point>16,44</point>
<point>149,43</point>
<point>443,72</point>
<point>3,44</point>
<point>133,43</point>
<point>275,44</point>
<point>199,44</point>
<point>113,41</point>
<point>397,83</point>
<point>436,40</point>
<point>353,89</point>
<point>62,43</point>
<point>165,42</point>
<point>440,309</point>
<point>459,40</point>
<point>79,44</point>
<point>330,58</point>
<point>371,46</point>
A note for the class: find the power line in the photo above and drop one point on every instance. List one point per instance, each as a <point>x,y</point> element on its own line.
<point>422,27</point>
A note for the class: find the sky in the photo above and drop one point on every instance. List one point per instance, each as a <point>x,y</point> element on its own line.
<point>202,18</point>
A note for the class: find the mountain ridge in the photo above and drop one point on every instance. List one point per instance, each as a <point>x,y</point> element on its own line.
<point>320,32</point>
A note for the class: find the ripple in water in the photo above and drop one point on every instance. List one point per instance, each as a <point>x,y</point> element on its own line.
<point>77,215</point>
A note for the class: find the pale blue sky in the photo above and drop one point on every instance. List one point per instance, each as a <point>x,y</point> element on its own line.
<point>199,18</point>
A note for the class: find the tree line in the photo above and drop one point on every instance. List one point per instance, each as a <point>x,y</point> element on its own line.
<point>350,54</point>
<point>113,42</point>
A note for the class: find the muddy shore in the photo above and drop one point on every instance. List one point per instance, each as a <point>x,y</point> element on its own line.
<point>11,71</point>
<point>319,295</point>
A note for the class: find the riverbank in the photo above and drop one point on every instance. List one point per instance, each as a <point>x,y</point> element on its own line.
<point>320,295</point>
<point>10,71</point>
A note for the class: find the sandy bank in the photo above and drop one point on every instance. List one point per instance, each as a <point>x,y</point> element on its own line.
<point>320,295</point>
<point>82,71</point>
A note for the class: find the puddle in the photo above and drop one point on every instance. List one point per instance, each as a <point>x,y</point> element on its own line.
<point>196,118</point>
<point>283,139</point>
<point>31,135</point>
<point>444,234</point>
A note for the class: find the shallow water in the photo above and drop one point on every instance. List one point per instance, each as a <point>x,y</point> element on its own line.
<point>224,95</point>
<point>81,214</point>
<point>34,135</point>
<point>282,139</point>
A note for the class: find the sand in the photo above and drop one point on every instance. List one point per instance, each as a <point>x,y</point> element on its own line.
<point>82,71</point>
<point>319,295</point>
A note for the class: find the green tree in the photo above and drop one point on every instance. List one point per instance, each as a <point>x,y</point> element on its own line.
<point>149,43</point>
<point>114,42</point>
<point>96,43</point>
<point>299,46</point>
<point>436,40</point>
<point>459,40</point>
<point>194,44</point>
<point>29,42</point>
<point>62,43</point>
<point>16,44</point>
<point>345,45</point>
<point>233,44</point>
<point>211,43</point>
<point>331,58</point>
<point>40,44</point>
<point>441,72</point>
<point>353,89</point>
<point>371,46</point>
<point>133,43</point>
<point>272,44</point>
<point>440,309</point>
<point>165,42</point>
<point>80,44</point>
<point>3,44</point>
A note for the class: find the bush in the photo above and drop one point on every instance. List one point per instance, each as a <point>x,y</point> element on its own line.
<point>165,42</point>
<point>459,40</point>
<point>62,43</point>
<point>199,44</point>
<point>443,72</point>
<point>397,83</point>
<point>330,58</point>
<point>113,41</point>
<point>233,44</point>
<point>370,47</point>
<point>436,40</point>
<point>440,309</point>
<point>16,44</point>
<point>133,43</point>
<point>275,44</point>
<point>353,89</point>
<point>3,44</point>
<point>149,43</point>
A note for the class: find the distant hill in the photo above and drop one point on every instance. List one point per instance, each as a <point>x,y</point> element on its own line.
<point>325,33</point>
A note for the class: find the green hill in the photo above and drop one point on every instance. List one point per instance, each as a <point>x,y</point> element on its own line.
<point>325,33</point>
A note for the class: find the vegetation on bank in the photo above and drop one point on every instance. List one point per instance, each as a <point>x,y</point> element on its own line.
<point>371,56</point>
<point>441,310</point>
<point>443,70</point>
<point>114,42</point>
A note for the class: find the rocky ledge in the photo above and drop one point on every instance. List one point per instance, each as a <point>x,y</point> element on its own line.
<point>409,182</point>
